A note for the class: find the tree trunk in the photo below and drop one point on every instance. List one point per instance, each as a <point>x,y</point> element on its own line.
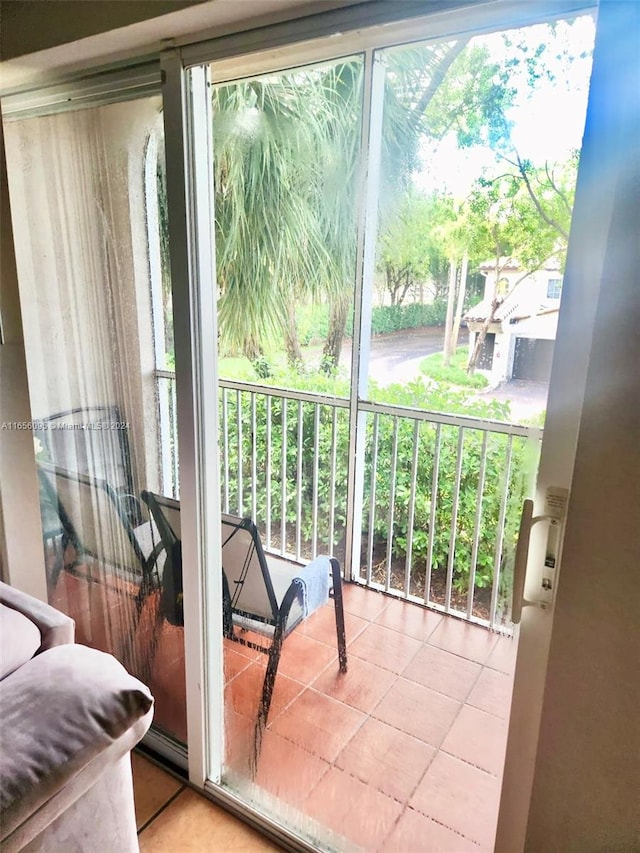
<point>335,334</point>
<point>448,323</point>
<point>461,294</point>
<point>482,334</point>
<point>292,342</point>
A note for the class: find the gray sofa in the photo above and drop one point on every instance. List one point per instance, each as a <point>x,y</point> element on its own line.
<point>69,717</point>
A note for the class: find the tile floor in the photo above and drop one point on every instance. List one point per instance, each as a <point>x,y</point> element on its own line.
<point>408,744</point>
<point>172,817</point>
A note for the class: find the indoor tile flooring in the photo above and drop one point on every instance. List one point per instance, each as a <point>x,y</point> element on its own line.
<point>408,744</point>
<point>172,817</point>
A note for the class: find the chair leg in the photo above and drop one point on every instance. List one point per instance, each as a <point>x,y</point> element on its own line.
<point>337,602</point>
<point>267,694</point>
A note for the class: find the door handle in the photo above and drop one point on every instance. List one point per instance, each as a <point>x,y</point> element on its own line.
<point>527,520</point>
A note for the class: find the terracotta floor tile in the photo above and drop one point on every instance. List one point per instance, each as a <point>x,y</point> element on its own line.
<point>192,824</point>
<point>442,671</point>
<point>479,739</point>
<point>384,647</point>
<point>433,837</point>
<point>244,692</point>
<point>321,626</point>
<point>361,687</point>
<point>362,602</point>
<point>352,809</point>
<point>287,771</point>
<point>318,724</point>
<point>503,656</point>
<point>492,693</point>
<point>152,788</point>
<point>387,759</point>
<point>234,663</point>
<point>410,619</point>
<point>418,711</point>
<point>303,658</point>
<point>469,641</point>
<point>461,797</point>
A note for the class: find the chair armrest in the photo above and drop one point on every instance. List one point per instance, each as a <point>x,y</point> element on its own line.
<point>55,628</point>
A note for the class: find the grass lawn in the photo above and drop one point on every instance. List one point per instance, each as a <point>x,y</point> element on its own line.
<point>456,373</point>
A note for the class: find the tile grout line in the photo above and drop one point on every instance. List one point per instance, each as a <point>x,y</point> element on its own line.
<point>162,808</point>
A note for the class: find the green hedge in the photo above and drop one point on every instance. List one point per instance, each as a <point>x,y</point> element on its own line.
<point>313,321</point>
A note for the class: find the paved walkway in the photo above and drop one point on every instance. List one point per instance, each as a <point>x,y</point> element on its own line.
<point>397,357</point>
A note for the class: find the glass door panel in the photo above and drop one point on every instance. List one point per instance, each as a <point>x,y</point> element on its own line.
<point>286,151</point>
<point>90,226</point>
<point>480,148</point>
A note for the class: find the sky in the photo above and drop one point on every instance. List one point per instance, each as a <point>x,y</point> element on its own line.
<point>548,121</point>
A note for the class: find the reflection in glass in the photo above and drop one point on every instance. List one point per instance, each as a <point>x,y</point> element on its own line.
<point>84,197</point>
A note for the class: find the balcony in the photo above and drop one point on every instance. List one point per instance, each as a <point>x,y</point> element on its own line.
<point>408,743</point>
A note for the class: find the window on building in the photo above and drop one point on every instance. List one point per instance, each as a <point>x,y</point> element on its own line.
<point>554,288</point>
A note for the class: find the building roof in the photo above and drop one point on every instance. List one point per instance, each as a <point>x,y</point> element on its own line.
<point>520,304</point>
<point>512,265</point>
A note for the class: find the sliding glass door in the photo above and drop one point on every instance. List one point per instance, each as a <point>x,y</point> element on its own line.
<point>89,219</point>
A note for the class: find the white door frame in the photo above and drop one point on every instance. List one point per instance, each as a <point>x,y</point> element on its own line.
<point>592,216</point>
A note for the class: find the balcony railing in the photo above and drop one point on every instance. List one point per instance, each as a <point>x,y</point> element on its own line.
<point>436,510</point>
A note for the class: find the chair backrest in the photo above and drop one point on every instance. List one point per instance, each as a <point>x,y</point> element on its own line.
<point>165,513</point>
<point>246,570</point>
<point>92,516</point>
<point>90,440</point>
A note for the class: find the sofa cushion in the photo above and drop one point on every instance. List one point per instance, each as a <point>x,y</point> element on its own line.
<point>59,711</point>
<point>19,640</point>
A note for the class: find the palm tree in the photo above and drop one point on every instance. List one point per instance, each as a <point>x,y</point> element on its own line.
<point>285,160</point>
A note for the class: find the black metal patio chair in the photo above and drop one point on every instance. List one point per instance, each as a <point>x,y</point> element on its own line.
<point>264,595</point>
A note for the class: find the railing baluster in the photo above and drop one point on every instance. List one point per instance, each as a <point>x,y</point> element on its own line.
<point>332,486</point>
<point>268,475</point>
<point>316,457</point>
<point>392,501</point>
<point>283,480</point>
<point>476,525</point>
<point>454,521</point>
<point>412,508</point>
<point>240,452</point>
<point>299,483</point>
<point>225,451</point>
<point>254,460</point>
<point>500,533</point>
<point>372,497</point>
<point>432,512</point>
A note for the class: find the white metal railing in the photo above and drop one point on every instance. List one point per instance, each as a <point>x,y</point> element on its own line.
<point>439,505</point>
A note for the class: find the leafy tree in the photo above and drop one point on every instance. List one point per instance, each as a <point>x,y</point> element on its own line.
<point>410,250</point>
<point>524,216</point>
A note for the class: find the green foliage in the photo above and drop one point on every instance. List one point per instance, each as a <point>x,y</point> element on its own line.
<point>313,321</point>
<point>412,251</point>
<point>321,432</point>
<point>432,366</point>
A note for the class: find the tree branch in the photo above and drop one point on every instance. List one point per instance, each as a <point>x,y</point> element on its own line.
<point>557,190</point>
<point>545,216</point>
